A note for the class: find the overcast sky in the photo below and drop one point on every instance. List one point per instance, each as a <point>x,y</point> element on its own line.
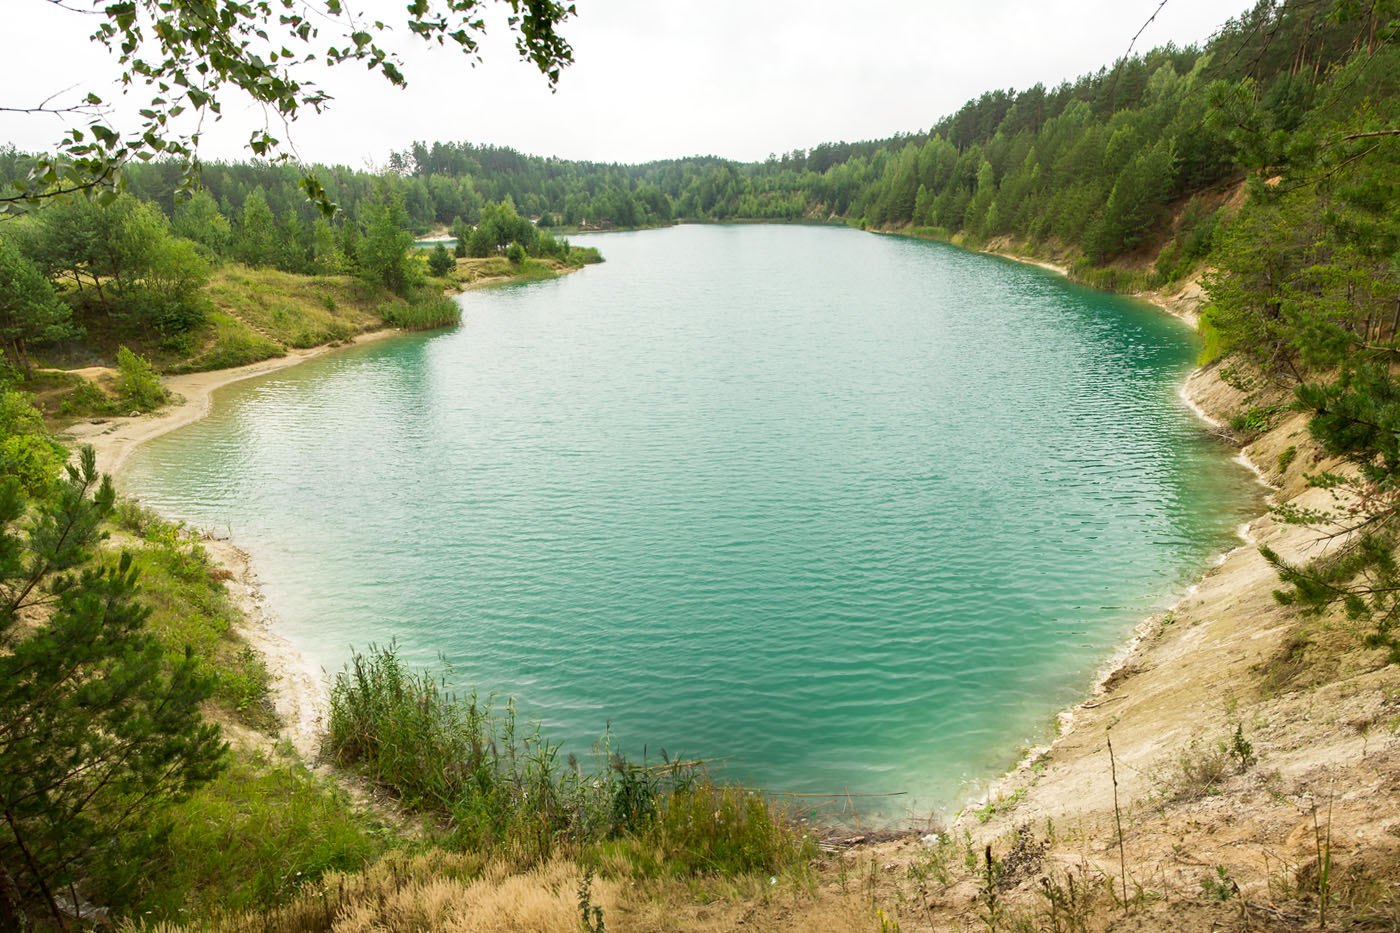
<point>656,78</point>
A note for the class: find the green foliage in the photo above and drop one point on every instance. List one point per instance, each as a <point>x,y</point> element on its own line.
<point>1219,886</point>
<point>1092,164</point>
<point>199,220</point>
<point>581,255</point>
<point>101,729</point>
<point>1242,750</point>
<point>28,456</point>
<point>1256,420</point>
<point>194,61</point>
<point>1307,289</point>
<point>423,312</point>
<point>328,256</point>
<point>1136,203</point>
<point>191,612</point>
<point>701,829</point>
<point>515,253</point>
<point>256,244</point>
<point>997,805</point>
<point>505,790</point>
<point>87,399</point>
<point>499,228</point>
<point>137,383</point>
<point>1196,235</point>
<point>440,261</point>
<point>383,250</point>
<point>1355,417</point>
<point>250,838</point>
<point>233,345</point>
<point>124,266</point>
<point>30,312</point>
<point>1212,339</point>
<point>590,913</point>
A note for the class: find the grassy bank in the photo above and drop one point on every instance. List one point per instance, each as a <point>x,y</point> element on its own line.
<point>262,314</point>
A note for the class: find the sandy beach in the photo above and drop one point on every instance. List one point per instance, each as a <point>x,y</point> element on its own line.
<point>114,439</point>
<point>298,687</point>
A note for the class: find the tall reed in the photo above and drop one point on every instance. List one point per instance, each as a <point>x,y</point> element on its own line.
<point>502,789</point>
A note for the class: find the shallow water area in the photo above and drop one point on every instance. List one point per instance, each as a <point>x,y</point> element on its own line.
<point>850,512</point>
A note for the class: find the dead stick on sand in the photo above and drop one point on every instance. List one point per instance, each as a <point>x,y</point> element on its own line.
<point>1118,819</point>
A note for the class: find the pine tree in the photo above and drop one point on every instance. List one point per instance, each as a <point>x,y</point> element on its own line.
<point>95,729</point>
<point>440,261</point>
<point>383,250</point>
<point>257,240</point>
<point>199,219</point>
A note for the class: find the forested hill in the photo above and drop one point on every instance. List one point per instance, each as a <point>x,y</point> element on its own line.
<point>1100,165</point>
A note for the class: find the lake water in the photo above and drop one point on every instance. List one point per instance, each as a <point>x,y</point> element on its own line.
<point>854,513</point>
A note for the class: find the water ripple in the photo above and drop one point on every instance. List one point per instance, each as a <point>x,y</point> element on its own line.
<point>853,511</point>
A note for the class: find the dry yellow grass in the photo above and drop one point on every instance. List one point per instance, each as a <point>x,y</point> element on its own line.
<point>456,893</point>
<point>298,310</point>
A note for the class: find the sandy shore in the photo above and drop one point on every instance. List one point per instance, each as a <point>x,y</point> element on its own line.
<point>114,439</point>
<point>1041,263</point>
<point>298,687</point>
<point>1226,660</point>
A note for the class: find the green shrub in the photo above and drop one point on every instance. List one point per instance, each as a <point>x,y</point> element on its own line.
<point>137,383</point>
<point>515,253</point>
<point>1124,281</point>
<point>192,610</point>
<point>423,312</point>
<point>27,453</point>
<point>231,350</point>
<point>1213,345</point>
<point>1255,420</point>
<point>503,789</point>
<point>1196,234</point>
<point>582,255</point>
<point>703,829</point>
<point>32,459</point>
<point>440,261</point>
<point>86,398</point>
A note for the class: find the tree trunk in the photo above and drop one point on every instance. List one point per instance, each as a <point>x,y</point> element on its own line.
<point>12,919</point>
<point>38,875</point>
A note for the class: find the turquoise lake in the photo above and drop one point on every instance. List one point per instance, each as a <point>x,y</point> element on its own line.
<point>851,512</point>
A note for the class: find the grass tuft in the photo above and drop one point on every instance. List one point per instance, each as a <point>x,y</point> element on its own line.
<point>423,312</point>
<point>502,790</point>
